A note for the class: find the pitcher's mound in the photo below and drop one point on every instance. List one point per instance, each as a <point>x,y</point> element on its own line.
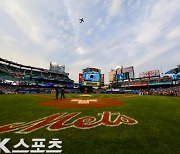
<point>85,95</point>
<point>83,103</point>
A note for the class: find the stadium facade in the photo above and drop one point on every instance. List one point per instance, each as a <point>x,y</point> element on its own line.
<point>22,78</point>
<point>18,74</point>
<point>124,78</point>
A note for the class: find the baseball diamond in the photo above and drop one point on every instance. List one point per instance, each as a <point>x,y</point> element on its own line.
<point>83,103</point>
<point>101,123</point>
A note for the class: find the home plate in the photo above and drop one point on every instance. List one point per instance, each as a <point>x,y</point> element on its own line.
<point>82,101</point>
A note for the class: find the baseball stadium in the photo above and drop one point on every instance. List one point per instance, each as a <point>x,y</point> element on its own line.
<point>130,115</point>
<point>90,76</point>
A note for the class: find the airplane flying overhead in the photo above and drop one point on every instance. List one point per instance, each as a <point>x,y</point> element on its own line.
<point>81,20</point>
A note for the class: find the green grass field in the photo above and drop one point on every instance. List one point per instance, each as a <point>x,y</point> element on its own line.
<point>157,130</point>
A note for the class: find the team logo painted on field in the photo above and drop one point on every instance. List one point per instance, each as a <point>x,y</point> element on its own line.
<point>82,101</point>
<point>60,121</point>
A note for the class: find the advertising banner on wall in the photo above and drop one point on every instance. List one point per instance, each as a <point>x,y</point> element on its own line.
<point>91,83</point>
<point>111,76</point>
<point>176,76</point>
<point>80,77</point>
<point>153,73</point>
<point>131,75</point>
<point>174,73</point>
<point>129,72</point>
<point>128,69</point>
<point>102,77</point>
<point>122,76</point>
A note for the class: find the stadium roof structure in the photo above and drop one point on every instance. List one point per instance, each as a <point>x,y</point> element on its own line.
<point>92,69</point>
<point>30,67</point>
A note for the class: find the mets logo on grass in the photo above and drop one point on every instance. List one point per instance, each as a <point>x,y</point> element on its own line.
<point>61,121</point>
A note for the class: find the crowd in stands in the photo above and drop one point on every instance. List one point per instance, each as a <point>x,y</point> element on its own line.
<point>72,91</point>
<point>172,91</point>
<point>7,90</point>
<point>23,90</point>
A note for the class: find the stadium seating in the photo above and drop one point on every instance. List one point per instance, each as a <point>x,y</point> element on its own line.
<point>30,75</point>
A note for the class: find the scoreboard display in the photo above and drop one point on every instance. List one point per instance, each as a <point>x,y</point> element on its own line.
<point>92,77</point>
<point>122,76</point>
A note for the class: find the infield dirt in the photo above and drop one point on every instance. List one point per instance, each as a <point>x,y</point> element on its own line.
<point>74,103</point>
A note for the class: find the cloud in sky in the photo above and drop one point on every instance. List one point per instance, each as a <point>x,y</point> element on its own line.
<point>115,7</point>
<point>143,34</point>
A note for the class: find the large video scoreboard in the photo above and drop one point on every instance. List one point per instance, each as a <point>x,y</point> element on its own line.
<point>91,76</point>
<point>120,74</point>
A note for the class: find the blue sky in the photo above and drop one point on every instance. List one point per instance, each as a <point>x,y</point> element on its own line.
<point>140,33</point>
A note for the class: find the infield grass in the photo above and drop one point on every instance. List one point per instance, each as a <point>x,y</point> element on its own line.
<point>157,130</point>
